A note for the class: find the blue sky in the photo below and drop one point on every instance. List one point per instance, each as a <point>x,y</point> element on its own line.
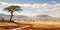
<point>29,1</point>
<point>34,7</point>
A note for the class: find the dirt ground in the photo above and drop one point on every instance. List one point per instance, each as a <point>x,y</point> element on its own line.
<point>29,28</point>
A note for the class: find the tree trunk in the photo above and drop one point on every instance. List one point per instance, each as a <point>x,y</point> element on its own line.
<point>11,15</point>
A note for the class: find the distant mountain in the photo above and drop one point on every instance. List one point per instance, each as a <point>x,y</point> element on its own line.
<point>42,17</point>
<point>14,17</point>
<point>46,18</point>
<point>22,17</point>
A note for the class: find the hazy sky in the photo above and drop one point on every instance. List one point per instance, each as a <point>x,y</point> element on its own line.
<point>33,7</point>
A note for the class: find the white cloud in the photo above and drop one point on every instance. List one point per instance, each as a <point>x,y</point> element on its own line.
<point>24,5</point>
<point>3,4</point>
<point>44,5</point>
<point>50,9</point>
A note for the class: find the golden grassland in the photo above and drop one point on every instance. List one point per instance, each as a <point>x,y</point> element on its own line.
<point>7,24</point>
<point>36,25</point>
<point>41,24</point>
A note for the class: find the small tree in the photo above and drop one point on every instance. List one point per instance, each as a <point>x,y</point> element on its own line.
<point>12,9</point>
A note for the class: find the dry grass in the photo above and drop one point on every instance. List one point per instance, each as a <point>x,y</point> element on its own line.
<point>36,25</point>
<point>7,24</point>
<point>41,24</point>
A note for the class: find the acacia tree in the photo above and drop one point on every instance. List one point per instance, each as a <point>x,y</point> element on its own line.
<point>12,9</point>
